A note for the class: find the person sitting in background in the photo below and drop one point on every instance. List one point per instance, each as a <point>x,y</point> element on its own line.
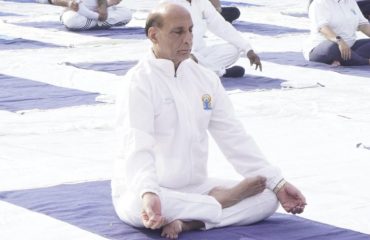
<point>228,13</point>
<point>364,6</point>
<point>333,33</point>
<point>167,106</point>
<point>92,14</point>
<point>217,57</point>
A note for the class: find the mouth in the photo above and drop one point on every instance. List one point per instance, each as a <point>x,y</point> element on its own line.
<point>184,51</point>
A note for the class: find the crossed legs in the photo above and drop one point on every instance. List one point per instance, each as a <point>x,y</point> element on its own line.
<point>215,203</point>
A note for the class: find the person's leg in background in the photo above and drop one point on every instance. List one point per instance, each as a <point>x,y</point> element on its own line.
<point>229,13</point>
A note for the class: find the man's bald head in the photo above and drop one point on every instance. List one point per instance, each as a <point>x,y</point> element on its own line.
<point>170,28</point>
<point>157,16</point>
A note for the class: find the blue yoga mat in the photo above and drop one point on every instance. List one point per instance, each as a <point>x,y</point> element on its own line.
<point>21,1</point>
<point>297,59</point>
<point>114,33</point>
<point>88,206</point>
<point>8,43</point>
<point>239,4</point>
<point>265,29</point>
<point>18,94</point>
<point>6,14</point>
<point>246,83</point>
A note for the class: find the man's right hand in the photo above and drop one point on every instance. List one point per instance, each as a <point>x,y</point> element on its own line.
<point>345,50</point>
<point>151,215</point>
<point>73,5</point>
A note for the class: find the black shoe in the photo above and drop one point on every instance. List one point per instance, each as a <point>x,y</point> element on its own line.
<point>234,72</point>
<point>230,13</point>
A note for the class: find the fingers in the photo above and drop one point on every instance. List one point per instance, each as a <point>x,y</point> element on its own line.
<point>153,222</point>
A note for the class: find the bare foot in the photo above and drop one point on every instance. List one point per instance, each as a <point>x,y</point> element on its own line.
<point>248,187</point>
<point>173,229</point>
<point>335,64</point>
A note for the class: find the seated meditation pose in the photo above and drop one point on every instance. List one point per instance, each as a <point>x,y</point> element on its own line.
<point>92,14</point>
<point>333,37</point>
<point>166,106</point>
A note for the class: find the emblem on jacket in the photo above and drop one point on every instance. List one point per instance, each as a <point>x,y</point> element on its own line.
<point>207,102</point>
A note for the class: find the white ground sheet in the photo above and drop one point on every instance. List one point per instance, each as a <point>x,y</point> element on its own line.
<point>311,134</point>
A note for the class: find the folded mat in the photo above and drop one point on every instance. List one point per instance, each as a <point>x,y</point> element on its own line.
<point>89,206</point>
<point>22,94</point>
<point>9,43</point>
<point>113,33</point>
<point>248,82</point>
<point>266,29</point>
<point>297,59</point>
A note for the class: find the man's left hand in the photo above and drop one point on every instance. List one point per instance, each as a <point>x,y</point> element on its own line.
<point>254,59</point>
<point>291,199</point>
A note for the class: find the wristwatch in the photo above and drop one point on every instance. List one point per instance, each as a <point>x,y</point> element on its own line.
<point>338,38</point>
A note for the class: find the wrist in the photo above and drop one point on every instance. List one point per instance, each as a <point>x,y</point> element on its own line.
<point>338,39</point>
<point>279,185</point>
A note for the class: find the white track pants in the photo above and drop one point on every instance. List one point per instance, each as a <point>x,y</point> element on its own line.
<point>218,57</point>
<point>117,16</point>
<point>193,203</point>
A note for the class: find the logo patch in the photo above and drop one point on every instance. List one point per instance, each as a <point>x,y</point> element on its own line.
<point>207,102</point>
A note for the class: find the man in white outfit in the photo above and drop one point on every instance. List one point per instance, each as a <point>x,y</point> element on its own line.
<point>218,57</point>
<point>92,14</point>
<point>167,105</point>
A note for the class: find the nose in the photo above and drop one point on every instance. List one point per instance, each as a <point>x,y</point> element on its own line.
<point>189,38</point>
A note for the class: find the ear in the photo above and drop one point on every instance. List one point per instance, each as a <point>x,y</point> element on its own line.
<point>152,34</point>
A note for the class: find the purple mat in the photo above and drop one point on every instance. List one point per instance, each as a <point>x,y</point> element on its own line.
<point>266,29</point>
<point>114,33</point>
<point>297,59</point>
<point>20,43</point>
<point>21,94</point>
<point>5,14</point>
<point>21,1</point>
<point>89,207</point>
<point>239,4</point>
<point>246,83</point>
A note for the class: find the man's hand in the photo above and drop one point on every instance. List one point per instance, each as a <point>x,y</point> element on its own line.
<point>151,215</point>
<point>113,2</point>
<point>291,199</point>
<point>73,5</point>
<point>254,59</point>
<point>102,10</point>
<point>345,50</point>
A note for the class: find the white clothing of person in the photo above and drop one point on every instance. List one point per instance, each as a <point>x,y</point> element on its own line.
<point>343,17</point>
<point>163,120</point>
<point>87,17</point>
<point>218,56</point>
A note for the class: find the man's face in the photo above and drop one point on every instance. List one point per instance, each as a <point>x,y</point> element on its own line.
<point>174,38</point>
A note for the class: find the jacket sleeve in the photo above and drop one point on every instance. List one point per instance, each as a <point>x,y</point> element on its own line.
<point>136,159</point>
<point>238,147</point>
<point>223,29</point>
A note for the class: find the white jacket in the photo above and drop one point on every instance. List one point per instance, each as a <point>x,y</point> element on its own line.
<point>205,17</point>
<point>163,121</point>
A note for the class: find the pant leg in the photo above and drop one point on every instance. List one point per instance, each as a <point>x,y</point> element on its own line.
<point>174,205</point>
<point>117,16</point>
<point>328,52</point>
<point>248,211</point>
<point>364,7</point>
<point>218,57</point>
<point>362,48</point>
<point>76,22</point>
